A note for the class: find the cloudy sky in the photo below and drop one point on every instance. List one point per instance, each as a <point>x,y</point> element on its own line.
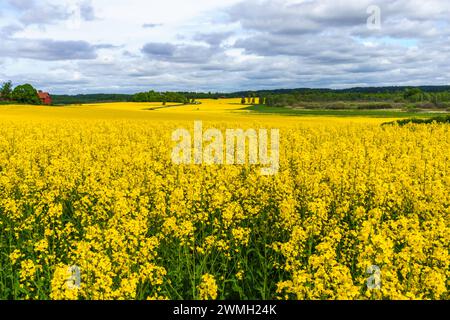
<point>125,46</point>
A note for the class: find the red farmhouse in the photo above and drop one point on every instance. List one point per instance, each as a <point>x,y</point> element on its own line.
<point>45,97</point>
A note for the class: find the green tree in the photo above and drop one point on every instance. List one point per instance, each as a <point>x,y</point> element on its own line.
<point>6,91</point>
<point>140,97</point>
<point>413,94</point>
<point>26,94</point>
<point>435,99</point>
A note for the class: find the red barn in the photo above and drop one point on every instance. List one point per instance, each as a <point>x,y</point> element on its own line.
<point>45,97</point>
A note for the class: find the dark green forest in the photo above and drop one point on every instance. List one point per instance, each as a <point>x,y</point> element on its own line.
<point>364,98</point>
<point>90,98</point>
<point>368,99</point>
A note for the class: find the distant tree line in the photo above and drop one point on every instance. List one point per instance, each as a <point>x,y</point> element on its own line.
<point>90,98</point>
<point>182,96</point>
<point>408,95</point>
<point>153,96</point>
<point>433,95</point>
<point>23,94</point>
<point>208,95</point>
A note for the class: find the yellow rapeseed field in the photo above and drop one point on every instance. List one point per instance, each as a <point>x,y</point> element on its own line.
<point>92,207</point>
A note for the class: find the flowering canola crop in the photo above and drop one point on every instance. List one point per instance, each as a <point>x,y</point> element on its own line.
<point>93,189</point>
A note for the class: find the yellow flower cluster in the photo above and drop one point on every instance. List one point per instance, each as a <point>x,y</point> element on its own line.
<point>104,195</point>
<point>208,288</point>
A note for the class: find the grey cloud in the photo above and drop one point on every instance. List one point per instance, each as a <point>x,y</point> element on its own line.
<point>400,18</point>
<point>105,46</point>
<point>9,30</point>
<point>151,25</point>
<point>87,11</point>
<point>43,13</point>
<point>178,53</point>
<point>213,39</point>
<point>300,46</point>
<point>159,49</point>
<point>285,17</point>
<point>47,49</point>
<point>367,68</point>
<point>21,4</point>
